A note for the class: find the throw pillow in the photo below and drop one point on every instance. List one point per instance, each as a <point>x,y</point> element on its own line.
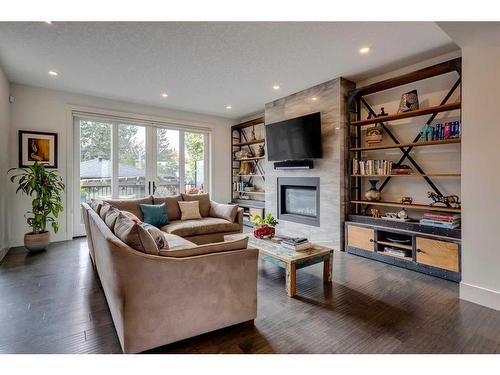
<point>131,216</point>
<point>158,236</point>
<point>96,205</point>
<point>190,210</point>
<point>204,200</point>
<point>110,217</point>
<point>223,211</point>
<point>104,210</point>
<point>155,214</point>
<point>134,235</point>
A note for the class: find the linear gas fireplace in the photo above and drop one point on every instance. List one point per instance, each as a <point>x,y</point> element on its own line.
<point>298,200</point>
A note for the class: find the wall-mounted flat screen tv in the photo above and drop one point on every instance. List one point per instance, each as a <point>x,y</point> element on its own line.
<point>295,139</point>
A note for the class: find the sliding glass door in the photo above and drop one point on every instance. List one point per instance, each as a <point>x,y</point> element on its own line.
<point>132,160</point>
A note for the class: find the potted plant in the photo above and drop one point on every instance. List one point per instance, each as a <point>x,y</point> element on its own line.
<point>264,227</point>
<point>45,187</point>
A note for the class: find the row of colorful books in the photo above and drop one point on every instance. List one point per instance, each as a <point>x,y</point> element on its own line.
<point>447,130</point>
<point>441,220</point>
<point>371,167</point>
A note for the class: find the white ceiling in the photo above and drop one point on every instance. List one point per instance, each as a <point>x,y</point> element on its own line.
<point>205,66</point>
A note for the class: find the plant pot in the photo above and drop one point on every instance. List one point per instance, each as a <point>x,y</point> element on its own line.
<point>35,242</point>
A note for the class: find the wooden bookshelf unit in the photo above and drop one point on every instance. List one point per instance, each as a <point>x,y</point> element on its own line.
<point>428,249</point>
<point>250,201</point>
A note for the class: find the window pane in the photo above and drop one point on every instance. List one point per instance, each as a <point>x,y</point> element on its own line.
<point>194,153</point>
<point>167,164</point>
<point>131,161</point>
<point>95,160</point>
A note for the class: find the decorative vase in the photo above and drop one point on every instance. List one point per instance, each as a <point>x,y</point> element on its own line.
<point>261,152</point>
<point>36,242</point>
<point>373,194</point>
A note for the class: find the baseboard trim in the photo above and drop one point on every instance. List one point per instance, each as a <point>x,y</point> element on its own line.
<point>481,296</point>
<point>3,253</point>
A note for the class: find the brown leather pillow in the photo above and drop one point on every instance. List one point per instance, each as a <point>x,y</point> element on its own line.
<point>135,235</point>
<point>224,211</point>
<point>204,200</point>
<point>130,205</point>
<point>173,211</point>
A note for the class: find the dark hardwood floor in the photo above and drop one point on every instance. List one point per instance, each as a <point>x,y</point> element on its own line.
<point>52,303</point>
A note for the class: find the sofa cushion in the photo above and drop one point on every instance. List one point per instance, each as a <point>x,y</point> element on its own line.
<point>155,214</point>
<point>173,210</point>
<point>110,217</point>
<point>175,242</point>
<point>130,205</point>
<point>204,200</point>
<point>190,210</point>
<point>135,235</point>
<point>204,225</point>
<point>96,205</point>
<point>206,249</point>
<point>223,211</point>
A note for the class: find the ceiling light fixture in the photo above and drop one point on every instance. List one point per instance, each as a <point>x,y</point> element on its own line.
<point>276,87</point>
<point>49,22</point>
<point>53,73</point>
<point>228,107</point>
<point>314,98</point>
<point>364,50</point>
<point>164,95</point>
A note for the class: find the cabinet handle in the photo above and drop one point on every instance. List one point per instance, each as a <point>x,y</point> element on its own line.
<point>371,239</point>
<point>420,251</point>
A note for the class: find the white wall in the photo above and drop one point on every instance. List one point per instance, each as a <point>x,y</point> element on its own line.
<point>445,158</point>
<point>46,110</point>
<point>480,177</point>
<point>4,139</point>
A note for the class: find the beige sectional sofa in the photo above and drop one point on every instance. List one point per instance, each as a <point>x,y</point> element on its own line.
<point>189,289</point>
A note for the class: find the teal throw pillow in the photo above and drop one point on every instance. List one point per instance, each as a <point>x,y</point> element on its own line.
<point>155,214</point>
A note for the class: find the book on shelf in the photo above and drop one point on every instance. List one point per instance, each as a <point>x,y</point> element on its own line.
<point>442,217</point>
<point>447,130</point>
<point>440,224</point>
<point>371,167</point>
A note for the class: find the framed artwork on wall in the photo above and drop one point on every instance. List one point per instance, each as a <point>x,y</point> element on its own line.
<point>37,147</point>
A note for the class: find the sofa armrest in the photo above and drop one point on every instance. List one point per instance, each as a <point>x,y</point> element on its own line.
<point>239,216</point>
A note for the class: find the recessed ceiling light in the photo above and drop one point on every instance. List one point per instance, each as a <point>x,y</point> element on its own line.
<point>337,128</point>
<point>228,107</point>
<point>49,22</point>
<point>364,50</point>
<point>53,73</point>
<point>164,95</point>
<point>314,98</point>
<point>276,87</point>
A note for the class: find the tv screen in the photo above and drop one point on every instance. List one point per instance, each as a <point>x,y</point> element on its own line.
<point>295,139</point>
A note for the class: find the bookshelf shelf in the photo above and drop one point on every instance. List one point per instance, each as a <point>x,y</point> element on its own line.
<point>249,192</point>
<point>254,142</point>
<point>395,244</point>
<point>403,115</point>
<point>250,175</point>
<point>411,144</point>
<point>249,159</point>
<point>412,206</point>
<point>409,175</point>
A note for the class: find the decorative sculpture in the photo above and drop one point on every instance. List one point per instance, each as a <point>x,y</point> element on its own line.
<point>427,132</point>
<point>454,200</point>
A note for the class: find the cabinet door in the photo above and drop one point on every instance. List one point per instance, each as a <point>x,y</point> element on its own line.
<point>439,254</point>
<point>360,237</point>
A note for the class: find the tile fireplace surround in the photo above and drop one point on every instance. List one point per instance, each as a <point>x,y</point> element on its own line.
<point>330,170</point>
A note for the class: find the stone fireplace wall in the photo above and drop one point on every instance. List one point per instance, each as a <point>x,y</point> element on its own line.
<point>330,98</point>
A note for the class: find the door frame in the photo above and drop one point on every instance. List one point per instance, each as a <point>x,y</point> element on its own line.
<point>74,226</point>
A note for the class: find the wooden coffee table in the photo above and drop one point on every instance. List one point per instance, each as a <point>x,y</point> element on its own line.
<point>270,250</point>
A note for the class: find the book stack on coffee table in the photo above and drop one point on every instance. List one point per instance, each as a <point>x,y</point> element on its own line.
<point>296,243</point>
